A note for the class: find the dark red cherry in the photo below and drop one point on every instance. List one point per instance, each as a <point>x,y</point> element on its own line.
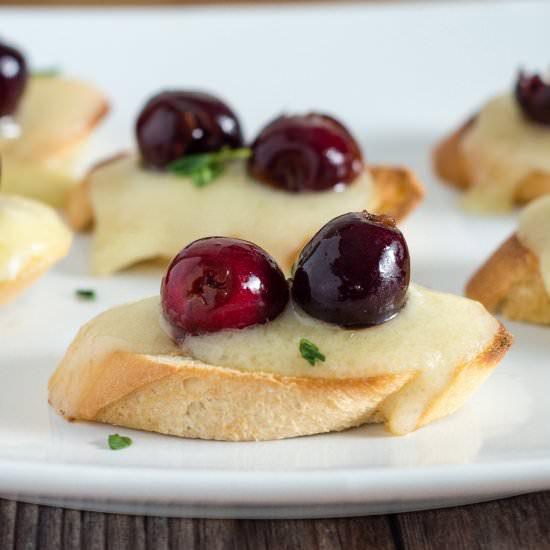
<point>13,77</point>
<point>221,283</point>
<point>177,123</point>
<point>354,272</point>
<point>310,152</point>
<point>533,96</point>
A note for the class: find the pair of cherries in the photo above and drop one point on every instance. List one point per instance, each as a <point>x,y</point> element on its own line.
<point>312,152</point>
<point>353,273</point>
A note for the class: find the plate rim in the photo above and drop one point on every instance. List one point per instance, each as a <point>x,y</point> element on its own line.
<point>183,486</point>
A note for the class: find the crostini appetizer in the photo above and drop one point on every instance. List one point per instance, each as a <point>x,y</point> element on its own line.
<point>231,350</point>
<point>500,155</point>
<point>45,120</point>
<point>194,177</point>
<point>515,280</point>
<point>32,239</point>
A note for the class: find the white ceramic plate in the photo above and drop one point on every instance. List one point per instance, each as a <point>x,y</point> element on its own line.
<point>400,76</point>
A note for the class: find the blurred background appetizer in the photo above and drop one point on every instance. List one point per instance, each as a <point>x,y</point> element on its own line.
<point>45,120</point>
<point>193,175</point>
<point>500,156</point>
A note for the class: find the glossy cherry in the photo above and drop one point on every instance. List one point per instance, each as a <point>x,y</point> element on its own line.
<point>176,123</point>
<point>221,283</point>
<point>312,152</point>
<point>354,272</point>
<point>533,96</point>
<point>13,78</point>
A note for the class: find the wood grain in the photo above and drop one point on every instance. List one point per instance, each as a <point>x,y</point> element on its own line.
<point>520,523</point>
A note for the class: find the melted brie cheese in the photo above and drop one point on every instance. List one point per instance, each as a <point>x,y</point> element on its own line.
<point>534,233</point>
<point>28,230</point>
<point>140,214</point>
<point>502,148</point>
<point>39,146</point>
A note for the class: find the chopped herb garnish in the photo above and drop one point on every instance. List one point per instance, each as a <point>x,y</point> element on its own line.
<point>203,168</point>
<point>86,294</point>
<point>310,352</point>
<point>117,442</point>
<point>47,73</point>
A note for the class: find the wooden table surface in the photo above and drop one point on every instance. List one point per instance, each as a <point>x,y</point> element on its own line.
<point>519,523</point>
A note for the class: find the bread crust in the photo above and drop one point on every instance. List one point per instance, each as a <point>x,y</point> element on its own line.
<point>451,165</point>
<point>397,191</point>
<point>449,162</point>
<point>179,396</point>
<point>78,208</point>
<point>510,282</point>
<point>208,402</point>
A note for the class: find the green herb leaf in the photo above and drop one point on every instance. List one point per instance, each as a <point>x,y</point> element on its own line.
<point>310,352</point>
<point>47,73</point>
<point>117,442</point>
<point>204,175</point>
<point>85,294</point>
<point>203,168</point>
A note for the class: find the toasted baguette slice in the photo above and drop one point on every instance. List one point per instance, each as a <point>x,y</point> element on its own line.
<point>141,216</point>
<point>122,369</point>
<point>32,239</point>
<point>510,282</point>
<point>397,193</point>
<point>40,162</point>
<point>451,165</point>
